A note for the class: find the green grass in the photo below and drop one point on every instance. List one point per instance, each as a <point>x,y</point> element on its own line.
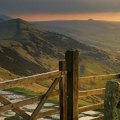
<point>24,92</point>
<point>54,100</point>
<point>82,104</point>
<point>45,83</point>
<point>29,93</point>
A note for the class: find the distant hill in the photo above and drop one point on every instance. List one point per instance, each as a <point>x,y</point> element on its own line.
<point>4,18</point>
<point>27,50</point>
<point>102,34</point>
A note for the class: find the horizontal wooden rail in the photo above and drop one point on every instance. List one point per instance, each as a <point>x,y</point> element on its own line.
<point>101,77</point>
<point>30,79</point>
<point>91,92</point>
<point>23,102</point>
<point>99,118</point>
<point>19,111</point>
<point>91,107</point>
<point>48,113</point>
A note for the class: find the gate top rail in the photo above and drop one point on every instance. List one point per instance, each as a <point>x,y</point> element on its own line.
<point>30,79</point>
<point>101,77</point>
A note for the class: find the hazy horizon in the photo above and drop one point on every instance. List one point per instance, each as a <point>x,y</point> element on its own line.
<point>41,20</point>
<point>63,18</point>
<point>44,10</point>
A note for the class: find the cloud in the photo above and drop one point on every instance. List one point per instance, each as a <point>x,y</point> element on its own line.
<point>58,6</point>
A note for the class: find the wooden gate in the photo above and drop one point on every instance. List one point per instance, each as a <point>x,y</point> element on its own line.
<point>68,78</point>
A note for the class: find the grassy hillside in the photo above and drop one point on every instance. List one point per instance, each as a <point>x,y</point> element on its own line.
<point>101,34</point>
<point>27,50</point>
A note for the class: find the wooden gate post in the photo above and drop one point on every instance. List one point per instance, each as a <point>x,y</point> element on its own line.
<point>63,91</point>
<point>112,101</point>
<point>72,67</point>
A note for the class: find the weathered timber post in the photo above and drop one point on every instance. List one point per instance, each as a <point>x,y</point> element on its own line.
<point>63,91</point>
<point>112,101</point>
<point>72,67</point>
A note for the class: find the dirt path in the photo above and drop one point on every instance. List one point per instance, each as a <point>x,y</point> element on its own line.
<point>13,97</point>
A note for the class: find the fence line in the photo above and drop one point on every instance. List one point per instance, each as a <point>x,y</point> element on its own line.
<point>91,107</point>
<point>30,79</point>
<point>91,92</point>
<point>67,77</point>
<point>101,77</point>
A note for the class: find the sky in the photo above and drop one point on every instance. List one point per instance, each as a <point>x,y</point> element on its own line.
<point>44,10</point>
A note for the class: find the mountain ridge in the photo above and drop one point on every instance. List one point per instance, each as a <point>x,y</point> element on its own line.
<point>27,50</point>
<point>102,34</point>
<point>4,18</point>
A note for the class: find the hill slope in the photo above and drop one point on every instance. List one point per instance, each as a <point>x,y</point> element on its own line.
<point>102,34</point>
<point>4,18</point>
<point>26,50</point>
